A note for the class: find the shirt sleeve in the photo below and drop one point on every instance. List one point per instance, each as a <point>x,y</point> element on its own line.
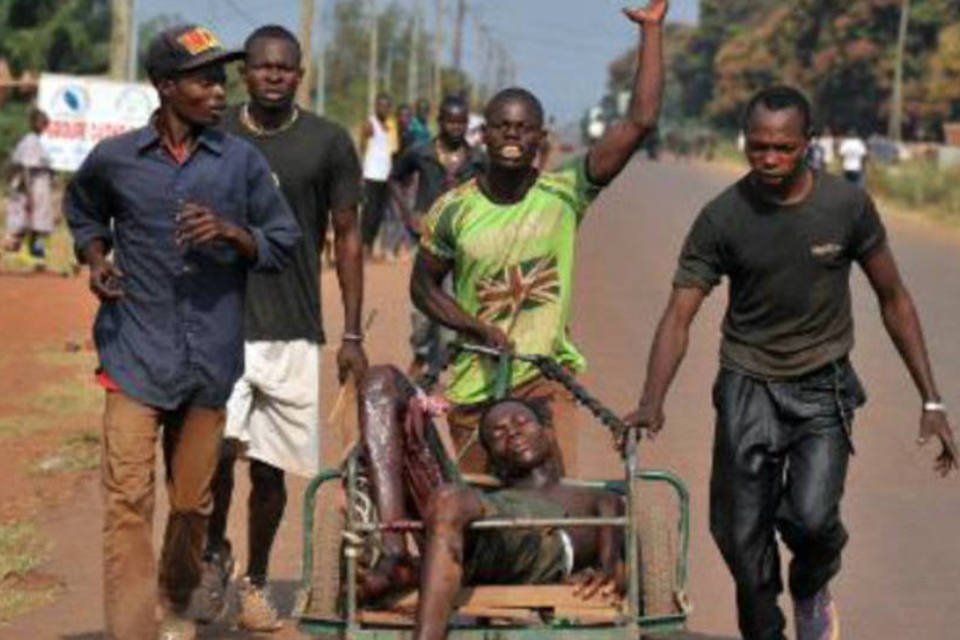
<point>700,264</point>
<point>346,177</point>
<point>869,233</point>
<point>574,177</point>
<point>404,166</point>
<point>86,205</point>
<point>439,228</point>
<point>269,218</point>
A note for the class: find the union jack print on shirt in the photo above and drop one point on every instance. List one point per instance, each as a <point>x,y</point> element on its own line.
<point>519,287</point>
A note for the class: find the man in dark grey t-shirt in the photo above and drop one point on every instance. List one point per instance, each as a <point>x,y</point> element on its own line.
<point>786,237</point>
<point>273,412</point>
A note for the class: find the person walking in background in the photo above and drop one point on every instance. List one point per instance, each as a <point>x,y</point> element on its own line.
<point>186,211</point>
<point>436,166</point>
<point>420,125</point>
<point>395,239</point>
<point>786,392</point>
<point>853,155</point>
<point>273,414</point>
<point>30,215</point>
<point>828,148</point>
<point>378,142</point>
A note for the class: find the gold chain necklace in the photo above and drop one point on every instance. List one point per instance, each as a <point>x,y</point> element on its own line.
<point>450,159</point>
<point>254,127</point>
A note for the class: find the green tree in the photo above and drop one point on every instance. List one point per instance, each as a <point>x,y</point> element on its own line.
<point>66,36</point>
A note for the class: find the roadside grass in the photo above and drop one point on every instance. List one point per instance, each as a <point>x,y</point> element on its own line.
<point>919,186</point>
<point>22,551</point>
<point>77,452</point>
<point>60,259</point>
<point>67,394</point>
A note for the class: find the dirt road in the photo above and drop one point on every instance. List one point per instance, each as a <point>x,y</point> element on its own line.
<point>901,568</point>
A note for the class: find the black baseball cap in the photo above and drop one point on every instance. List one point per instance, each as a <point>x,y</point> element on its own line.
<point>185,48</point>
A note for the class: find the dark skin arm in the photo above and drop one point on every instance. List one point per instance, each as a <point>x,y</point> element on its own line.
<point>452,509</point>
<point>351,358</point>
<point>104,275</point>
<point>426,291</point>
<point>903,325</point>
<point>610,154</point>
<point>400,204</point>
<point>667,352</point>
<point>607,578</point>
<point>198,224</point>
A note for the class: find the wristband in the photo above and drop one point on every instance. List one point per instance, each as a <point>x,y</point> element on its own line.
<point>934,405</point>
<point>352,337</point>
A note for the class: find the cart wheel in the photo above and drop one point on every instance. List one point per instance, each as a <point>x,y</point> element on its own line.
<point>324,599</point>
<point>658,561</point>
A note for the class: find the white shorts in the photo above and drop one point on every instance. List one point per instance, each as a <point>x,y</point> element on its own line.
<point>274,408</point>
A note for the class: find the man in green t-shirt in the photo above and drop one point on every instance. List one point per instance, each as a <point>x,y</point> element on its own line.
<point>508,238</point>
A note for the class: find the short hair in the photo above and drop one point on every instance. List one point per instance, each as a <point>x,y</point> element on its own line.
<point>273,32</point>
<point>514,94</point>
<point>779,98</point>
<point>452,102</point>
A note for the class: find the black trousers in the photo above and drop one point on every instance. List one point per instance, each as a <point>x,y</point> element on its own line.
<point>375,196</point>
<point>779,465</point>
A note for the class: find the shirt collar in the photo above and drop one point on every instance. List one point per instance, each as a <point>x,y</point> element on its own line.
<point>209,137</point>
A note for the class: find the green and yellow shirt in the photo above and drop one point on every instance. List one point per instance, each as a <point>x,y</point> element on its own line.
<point>513,268</point>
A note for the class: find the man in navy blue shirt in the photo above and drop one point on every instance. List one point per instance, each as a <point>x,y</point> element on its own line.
<point>186,211</point>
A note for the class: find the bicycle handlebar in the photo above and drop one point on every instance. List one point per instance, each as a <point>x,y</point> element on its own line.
<point>552,370</point>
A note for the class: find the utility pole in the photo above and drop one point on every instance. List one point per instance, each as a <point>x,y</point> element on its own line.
<point>895,124</point>
<point>306,40</point>
<point>374,53</point>
<point>320,98</point>
<point>458,35</point>
<point>413,60</point>
<point>437,88</point>
<point>119,38</point>
<point>133,56</point>
<point>479,57</point>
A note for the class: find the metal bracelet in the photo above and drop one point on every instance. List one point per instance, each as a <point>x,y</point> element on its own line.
<point>352,337</point>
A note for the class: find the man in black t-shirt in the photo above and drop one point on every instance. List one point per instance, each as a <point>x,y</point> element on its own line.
<point>273,413</point>
<point>786,237</point>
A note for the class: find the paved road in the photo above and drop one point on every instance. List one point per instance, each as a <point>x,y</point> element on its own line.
<point>901,569</point>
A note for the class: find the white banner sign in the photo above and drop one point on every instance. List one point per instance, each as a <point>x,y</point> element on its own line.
<point>84,110</point>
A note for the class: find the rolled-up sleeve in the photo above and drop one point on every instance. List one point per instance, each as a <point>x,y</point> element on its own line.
<point>85,205</point>
<point>270,220</point>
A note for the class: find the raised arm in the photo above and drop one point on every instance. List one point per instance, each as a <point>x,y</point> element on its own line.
<point>612,152</point>
<point>902,323</point>
<point>667,352</point>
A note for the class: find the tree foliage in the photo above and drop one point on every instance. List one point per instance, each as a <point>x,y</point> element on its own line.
<point>347,58</point>
<point>841,53</point>
<point>66,36</point>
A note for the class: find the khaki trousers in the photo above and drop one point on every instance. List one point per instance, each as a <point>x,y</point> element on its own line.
<point>191,438</point>
<point>464,420</point>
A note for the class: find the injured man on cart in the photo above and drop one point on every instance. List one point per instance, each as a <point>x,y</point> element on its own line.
<point>412,477</point>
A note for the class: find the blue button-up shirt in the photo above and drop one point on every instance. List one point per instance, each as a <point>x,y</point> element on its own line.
<point>176,335</point>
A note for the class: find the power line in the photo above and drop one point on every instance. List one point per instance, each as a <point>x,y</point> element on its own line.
<point>253,22</point>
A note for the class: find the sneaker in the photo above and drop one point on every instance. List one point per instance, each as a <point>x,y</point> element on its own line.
<point>256,613</point>
<point>817,618</point>
<point>176,627</point>
<point>210,596</point>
